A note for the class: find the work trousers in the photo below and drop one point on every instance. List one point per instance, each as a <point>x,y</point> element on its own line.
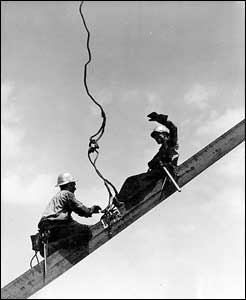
<point>65,235</point>
<point>136,187</point>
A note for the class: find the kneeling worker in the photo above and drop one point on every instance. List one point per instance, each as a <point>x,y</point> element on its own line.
<point>63,231</point>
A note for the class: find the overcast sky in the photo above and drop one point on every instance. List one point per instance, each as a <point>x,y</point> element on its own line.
<point>181,58</point>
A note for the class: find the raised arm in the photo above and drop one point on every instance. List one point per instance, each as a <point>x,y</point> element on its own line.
<point>163,119</point>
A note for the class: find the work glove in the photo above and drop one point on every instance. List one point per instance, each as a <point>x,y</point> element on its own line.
<point>96,209</point>
<point>157,117</point>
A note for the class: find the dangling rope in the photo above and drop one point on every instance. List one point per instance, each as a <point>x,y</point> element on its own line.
<point>93,140</point>
<point>34,256</point>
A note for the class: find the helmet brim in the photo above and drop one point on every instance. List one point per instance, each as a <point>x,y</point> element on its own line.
<point>66,182</point>
<point>155,134</point>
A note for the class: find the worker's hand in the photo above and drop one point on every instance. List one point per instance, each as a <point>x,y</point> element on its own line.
<point>157,117</point>
<point>96,209</point>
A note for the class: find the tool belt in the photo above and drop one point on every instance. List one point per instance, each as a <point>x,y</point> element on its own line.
<point>36,240</point>
<point>39,239</point>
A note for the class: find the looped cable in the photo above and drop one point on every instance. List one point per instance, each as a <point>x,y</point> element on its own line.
<point>93,141</point>
<point>34,256</point>
<point>106,182</point>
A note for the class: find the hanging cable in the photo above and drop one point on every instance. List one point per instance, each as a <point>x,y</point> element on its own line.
<point>93,140</point>
<point>101,129</point>
<point>34,256</point>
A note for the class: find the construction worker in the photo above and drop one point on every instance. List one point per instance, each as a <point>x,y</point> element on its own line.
<point>167,154</point>
<point>136,187</point>
<point>57,222</point>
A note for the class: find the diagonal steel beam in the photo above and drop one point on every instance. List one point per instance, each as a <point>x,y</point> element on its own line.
<point>31,281</point>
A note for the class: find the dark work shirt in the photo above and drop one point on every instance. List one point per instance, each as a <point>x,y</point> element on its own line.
<point>167,154</point>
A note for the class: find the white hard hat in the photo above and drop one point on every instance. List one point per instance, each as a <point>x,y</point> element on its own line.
<point>160,129</point>
<point>65,178</point>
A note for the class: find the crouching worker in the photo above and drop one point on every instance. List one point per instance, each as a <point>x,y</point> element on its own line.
<point>136,187</point>
<point>57,224</point>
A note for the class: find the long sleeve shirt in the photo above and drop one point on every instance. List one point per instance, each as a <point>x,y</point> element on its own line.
<point>62,205</point>
<point>167,153</point>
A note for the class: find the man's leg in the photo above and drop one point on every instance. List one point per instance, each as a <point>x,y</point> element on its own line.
<point>136,187</point>
<point>68,236</point>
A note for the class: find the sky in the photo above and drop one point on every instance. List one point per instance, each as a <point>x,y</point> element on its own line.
<point>180,58</point>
